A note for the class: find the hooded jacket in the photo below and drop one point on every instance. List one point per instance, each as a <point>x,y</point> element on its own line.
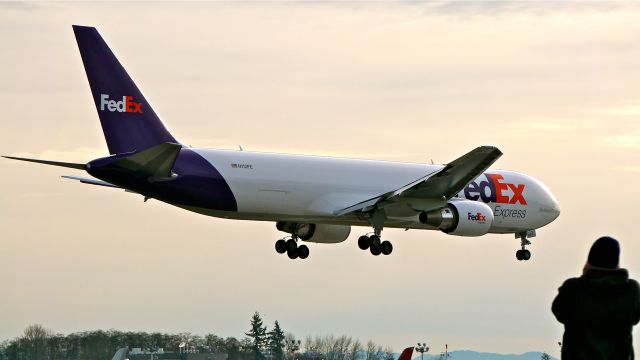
<point>598,310</point>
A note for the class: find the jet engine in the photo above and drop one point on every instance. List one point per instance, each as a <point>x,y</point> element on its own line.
<point>317,233</point>
<point>463,218</point>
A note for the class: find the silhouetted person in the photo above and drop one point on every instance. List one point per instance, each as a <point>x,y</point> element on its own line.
<point>600,308</point>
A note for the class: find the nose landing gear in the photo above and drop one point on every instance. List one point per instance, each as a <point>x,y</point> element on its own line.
<point>524,254</point>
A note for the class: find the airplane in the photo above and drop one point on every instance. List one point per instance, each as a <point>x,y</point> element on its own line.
<point>313,199</point>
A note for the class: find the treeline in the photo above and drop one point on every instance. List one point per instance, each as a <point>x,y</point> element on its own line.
<point>342,348</point>
<point>39,343</point>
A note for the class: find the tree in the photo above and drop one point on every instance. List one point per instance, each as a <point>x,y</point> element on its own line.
<point>214,343</point>
<point>35,338</point>
<point>275,341</point>
<point>372,351</point>
<point>355,350</point>
<point>545,356</point>
<point>387,353</point>
<point>232,348</point>
<point>257,334</point>
<point>38,343</point>
<point>3,349</point>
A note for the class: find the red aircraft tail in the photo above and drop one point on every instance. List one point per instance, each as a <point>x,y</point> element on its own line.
<point>406,354</point>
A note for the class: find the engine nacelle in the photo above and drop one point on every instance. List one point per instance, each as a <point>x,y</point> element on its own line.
<point>317,233</point>
<point>463,218</point>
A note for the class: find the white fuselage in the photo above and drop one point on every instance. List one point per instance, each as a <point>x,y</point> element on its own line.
<point>283,187</point>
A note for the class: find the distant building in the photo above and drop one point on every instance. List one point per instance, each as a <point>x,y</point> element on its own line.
<point>139,354</point>
<point>209,356</point>
<point>139,351</point>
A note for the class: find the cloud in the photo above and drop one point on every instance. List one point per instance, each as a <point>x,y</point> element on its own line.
<point>535,125</point>
<point>625,110</point>
<point>18,5</point>
<point>628,168</point>
<point>545,124</point>
<point>40,195</point>
<point>611,126</point>
<point>497,7</point>
<point>629,140</point>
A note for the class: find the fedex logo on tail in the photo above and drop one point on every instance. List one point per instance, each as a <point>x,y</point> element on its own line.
<point>125,105</point>
<point>494,189</point>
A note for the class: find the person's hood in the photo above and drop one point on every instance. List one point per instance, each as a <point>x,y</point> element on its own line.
<point>606,281</point>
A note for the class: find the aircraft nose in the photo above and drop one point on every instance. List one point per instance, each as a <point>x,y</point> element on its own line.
<point>555,209</point>
<point>551,208</point>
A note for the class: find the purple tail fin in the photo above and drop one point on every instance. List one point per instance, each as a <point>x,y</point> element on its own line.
<point>128,121</point>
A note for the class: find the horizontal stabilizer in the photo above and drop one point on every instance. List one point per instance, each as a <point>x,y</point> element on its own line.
<point>91,181</point>
<point>48,162</point>
<point>155,162</point>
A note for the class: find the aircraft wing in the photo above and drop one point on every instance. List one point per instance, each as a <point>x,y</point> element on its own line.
<point>439,185</point>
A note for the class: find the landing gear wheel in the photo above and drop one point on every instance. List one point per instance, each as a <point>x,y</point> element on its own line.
<point>523,253</point>
<point>375,240</point>
<point>281,246</point>
<point>364,242</point>
<point>291,245</point>
<point>386,248</point>
<point>293,254</point>
<point>375,250</point>
<point>303,251</point>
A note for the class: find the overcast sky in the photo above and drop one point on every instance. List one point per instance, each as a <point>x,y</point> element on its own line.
<point>553,85</point>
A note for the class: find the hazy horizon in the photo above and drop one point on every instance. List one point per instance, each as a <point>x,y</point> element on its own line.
<point>553,85</point>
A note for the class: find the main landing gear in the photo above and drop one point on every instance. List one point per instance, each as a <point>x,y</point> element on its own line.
<point>290,246</point>
<point>524,254</point>
<point>372,241</point>
<point>375,245</point>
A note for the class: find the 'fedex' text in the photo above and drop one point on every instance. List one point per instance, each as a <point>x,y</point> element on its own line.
<point>495,190</point>
<point>125,105</point>
<point>476,217</point>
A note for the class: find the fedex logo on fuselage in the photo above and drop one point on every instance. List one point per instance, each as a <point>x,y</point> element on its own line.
<point>494,189</point>
<point>476,217</point>
<point>125,105</point>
